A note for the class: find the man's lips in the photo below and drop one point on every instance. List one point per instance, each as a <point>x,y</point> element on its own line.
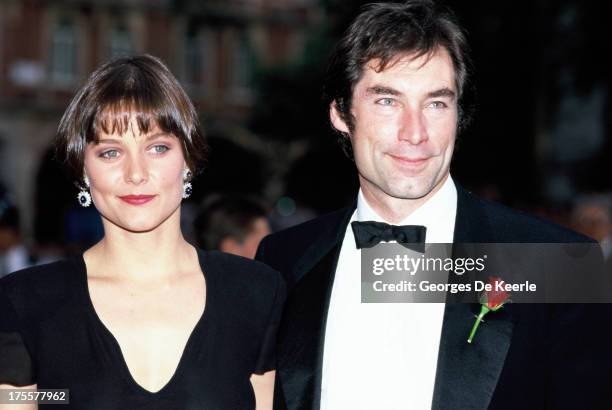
<point>409,161</point>
<point>136,199</point>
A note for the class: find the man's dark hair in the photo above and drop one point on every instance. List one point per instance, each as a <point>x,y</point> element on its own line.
<point>383,31</point>
<point>9,216</point>
<point>141,86</point>
<point>226,216</point>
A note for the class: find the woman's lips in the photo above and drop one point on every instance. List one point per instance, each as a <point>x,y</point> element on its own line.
<point>137,199</point>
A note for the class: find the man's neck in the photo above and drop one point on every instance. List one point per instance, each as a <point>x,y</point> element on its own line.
<point>391,209</point>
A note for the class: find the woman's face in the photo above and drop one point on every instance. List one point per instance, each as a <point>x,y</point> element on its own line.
<point>136,179</point>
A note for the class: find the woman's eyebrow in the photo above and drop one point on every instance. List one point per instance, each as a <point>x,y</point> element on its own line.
<point>160,134</point>
<point>150,137</point>
<point>108,141</point>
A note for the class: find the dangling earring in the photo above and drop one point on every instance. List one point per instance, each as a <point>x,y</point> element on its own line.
<point>187,187</point>
<point>84,197</point>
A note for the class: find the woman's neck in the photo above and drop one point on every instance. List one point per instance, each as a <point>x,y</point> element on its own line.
<point>156,255</point>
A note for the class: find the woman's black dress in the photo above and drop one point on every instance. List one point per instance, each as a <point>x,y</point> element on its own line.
<point>51,335</point>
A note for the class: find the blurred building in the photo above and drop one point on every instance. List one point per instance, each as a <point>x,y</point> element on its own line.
<point>48,48</point>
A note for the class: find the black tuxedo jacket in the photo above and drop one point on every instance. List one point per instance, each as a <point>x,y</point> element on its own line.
<point>527,356</point>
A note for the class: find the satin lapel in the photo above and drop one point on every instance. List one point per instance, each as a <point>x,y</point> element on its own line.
<point>467,374</point>
<point>302,330</point>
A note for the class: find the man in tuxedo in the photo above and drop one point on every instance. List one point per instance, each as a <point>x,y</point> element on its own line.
<point>394,87</point>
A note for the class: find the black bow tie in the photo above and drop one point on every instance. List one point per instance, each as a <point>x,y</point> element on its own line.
<point>369,234</point>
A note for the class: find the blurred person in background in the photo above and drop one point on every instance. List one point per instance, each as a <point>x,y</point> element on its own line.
<point>13,253</point>
<point>142,319</point>
<point>592,216</point>
<point>232,224</point>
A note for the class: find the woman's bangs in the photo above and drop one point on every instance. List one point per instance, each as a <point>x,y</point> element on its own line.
<point>116,119</point>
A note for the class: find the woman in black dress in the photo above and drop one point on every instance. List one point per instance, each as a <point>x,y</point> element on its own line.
<point>142,319</point>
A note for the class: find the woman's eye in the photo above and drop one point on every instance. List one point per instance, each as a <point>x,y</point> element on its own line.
<point>111,153</point>
<point>160,149</point>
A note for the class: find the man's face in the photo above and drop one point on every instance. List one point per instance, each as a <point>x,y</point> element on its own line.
<point>405,122</point>
<point>593,220</point>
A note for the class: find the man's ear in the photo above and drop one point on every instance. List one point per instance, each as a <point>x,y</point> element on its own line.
<point>336,118</point>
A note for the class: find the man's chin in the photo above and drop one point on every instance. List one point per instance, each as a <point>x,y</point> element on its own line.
<point>410,195</point>
<point>415,188</point>
<point>410,191</point>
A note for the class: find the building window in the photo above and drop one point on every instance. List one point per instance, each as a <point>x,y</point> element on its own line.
<point>120,41</point>
<point>240,65</point>
<point>63,65</point>
<point>199,62</point>
<point>193,58</point>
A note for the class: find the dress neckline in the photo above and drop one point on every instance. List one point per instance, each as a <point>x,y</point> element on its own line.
<point>117,353</point>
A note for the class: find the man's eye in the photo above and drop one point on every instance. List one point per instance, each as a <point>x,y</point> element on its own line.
<point>160,149</point>
<point>437,104</point>
<point>111,153</point>
<point>385,101</point>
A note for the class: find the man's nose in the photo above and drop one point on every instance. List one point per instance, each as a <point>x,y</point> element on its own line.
<point>136,170</point>
<point>413,126</point>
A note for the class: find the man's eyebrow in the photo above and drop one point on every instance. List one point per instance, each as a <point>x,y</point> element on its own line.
<point>384,90</point>
<point>381,89</point>
<point>442,92</point>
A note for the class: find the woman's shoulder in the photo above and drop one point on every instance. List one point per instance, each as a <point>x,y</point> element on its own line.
<point>39,275</point>
<point>250,294</point>
<point>234,272</point>
<point>41,285</point>
<point>238,267</point>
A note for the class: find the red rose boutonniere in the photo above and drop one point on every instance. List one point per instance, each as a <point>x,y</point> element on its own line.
<point>492,299</point>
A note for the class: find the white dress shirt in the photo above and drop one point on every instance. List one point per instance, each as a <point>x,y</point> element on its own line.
<point>383,355</point>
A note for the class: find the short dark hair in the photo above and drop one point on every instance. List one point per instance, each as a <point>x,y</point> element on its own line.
<point>226,216</point>
<point>9,216</point>
<point>140,86</point>
<point>382,31</point>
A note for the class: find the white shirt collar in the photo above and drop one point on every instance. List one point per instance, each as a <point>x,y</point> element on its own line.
<point>437,214</point>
